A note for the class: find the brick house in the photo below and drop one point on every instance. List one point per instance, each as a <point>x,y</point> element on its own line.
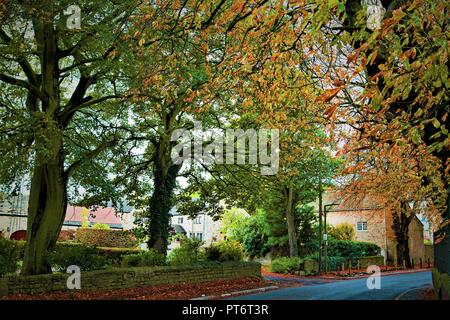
<point>373,223</point>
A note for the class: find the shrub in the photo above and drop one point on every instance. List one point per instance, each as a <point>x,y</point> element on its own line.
<point>347,249</point>
<point>144,259</point>
<point>9,256</point>
<point>334,263</point>
<point>106,238</point>
<point>101,226</point>
<point>21,248</point>
<point>228,250</point>
<point>367,249</point>
<point>189,252</point>
<point>86,257</point>
<point>213,253</point>
<point>67,235</point>
<point>114,255</point>
<point>256,235</point>
<point>286,265</point>
<point>343,231</point>
<point>352,249</point>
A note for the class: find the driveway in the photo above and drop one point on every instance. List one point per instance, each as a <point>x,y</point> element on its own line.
<point>391,287</point>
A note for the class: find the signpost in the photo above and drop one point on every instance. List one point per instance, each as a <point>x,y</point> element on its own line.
<point>326,209</point>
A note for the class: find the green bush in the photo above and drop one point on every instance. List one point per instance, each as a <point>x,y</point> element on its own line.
<point>21,248</point>
<point>101,226</point>
<point>334,263</point>
<point>144,259</point>
<point>343,231</point>
<point>346,248</point>
<point>256,236</point>
<point>367,249</point>
<point>228,250</point>
<point>286,265</point>
<point>9,256</point>
<point>213,252</point>
<point>189,252</point>
<point>86,257</point>
<point>114,255</point>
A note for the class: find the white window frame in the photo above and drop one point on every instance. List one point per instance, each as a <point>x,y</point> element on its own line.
<point>362,224</point>
<point>198,220</point>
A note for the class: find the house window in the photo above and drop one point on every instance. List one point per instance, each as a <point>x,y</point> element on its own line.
<point>198,220</point>
<point>199,236</point>
<point>180,220</point>
<point>191,235</point>
<point>361,226</point>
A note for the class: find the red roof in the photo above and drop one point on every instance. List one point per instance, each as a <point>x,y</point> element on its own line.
<point>98,215</point>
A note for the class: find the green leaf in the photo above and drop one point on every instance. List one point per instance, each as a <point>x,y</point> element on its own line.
<point>436,123</point>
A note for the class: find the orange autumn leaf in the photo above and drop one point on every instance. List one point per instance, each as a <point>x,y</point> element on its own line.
<point>329,94</point>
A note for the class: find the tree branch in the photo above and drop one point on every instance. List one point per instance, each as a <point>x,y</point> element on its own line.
<point>24,84</point>
<point>89,155</point>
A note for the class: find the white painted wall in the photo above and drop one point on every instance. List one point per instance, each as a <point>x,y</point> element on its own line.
<point>203,224</point>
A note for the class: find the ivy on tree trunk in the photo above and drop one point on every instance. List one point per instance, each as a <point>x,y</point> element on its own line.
<point>165,175</point>
<point>402,220</point>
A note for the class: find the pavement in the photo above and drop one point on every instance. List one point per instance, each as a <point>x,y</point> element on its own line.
<point>425,292</point>
<point>391,287</point>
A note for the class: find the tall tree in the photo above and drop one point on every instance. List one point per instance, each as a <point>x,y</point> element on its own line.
<point>198,60</point>
<point>50,72</point>
<point>389,85</point>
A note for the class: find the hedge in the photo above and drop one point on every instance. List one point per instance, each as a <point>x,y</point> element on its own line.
<point>113,255</point>
<point>225,250</point>
<point>347,248</point>
<point>67,235</point>
<point>106,238</point>
<point>286,265</point>
<point>144,259</point>
<point>85,257</point>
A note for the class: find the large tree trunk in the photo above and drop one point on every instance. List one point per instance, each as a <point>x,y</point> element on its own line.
<point>46,211</point>
<point>400,226</point>
<point>48,200</point>
<point>292,234</point>
<point>165,175</point>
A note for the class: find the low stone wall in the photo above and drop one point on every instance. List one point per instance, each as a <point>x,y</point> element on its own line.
<point>311,267</point>
<point>371,261</point>
<point>429,254</point>
<point>130,277</point>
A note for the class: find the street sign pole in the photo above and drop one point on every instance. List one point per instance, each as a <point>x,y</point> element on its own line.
<point>320,225</point>
<point>326,208</point>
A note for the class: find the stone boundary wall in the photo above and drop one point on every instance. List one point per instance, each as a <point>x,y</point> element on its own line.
<point>369,261</point>
<point>429,253</point>
<point>129,277</point>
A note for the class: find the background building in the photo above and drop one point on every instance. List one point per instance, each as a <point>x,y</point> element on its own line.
<point>373,223</point>
<point>202,227</point>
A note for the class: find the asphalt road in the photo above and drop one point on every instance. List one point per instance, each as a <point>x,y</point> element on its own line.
<point>391,287</point>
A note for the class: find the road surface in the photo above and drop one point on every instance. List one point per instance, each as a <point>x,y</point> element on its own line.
<point>391,287</point>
